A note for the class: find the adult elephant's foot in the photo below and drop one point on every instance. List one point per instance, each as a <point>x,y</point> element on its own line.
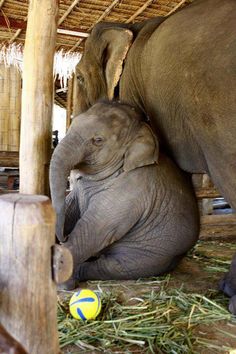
<point>228,282</point>
<point>232,305</point>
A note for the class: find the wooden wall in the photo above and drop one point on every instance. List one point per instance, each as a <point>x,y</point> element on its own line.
<point>10,108</point>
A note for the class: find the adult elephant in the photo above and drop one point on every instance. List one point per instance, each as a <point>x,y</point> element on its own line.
<point>135,217</point>
<point>181,72</point>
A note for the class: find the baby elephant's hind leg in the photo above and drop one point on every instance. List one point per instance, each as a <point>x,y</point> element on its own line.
<point>121,267</point>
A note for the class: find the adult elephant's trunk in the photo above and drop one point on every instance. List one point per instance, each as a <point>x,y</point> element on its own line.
<point>67,154</point>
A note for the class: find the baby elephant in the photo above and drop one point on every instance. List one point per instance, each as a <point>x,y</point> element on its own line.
<point>132,213</point>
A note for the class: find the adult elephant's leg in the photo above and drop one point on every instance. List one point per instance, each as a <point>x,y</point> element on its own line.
<point>228,283</point>
<point>232,305</point>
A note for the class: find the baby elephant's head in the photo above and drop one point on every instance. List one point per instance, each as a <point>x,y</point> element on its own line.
<point>99,142</point>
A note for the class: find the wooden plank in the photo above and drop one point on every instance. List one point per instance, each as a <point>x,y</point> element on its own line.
<point>219,232</point>
<point>37,96</point>
<point>207,192</point>
<point>221,219</point>
<point>9,159</point>
<point>28,303</point>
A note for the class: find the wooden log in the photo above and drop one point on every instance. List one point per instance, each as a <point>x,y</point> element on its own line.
<point>37,96</point>
<point>28,298</point>
<point>9,345</point>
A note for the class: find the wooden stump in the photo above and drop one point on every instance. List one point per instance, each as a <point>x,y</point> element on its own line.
<point>28,298</point>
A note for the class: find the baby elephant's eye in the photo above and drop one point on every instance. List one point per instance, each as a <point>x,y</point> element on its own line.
<point>80,79</point>
<point>97,141</point>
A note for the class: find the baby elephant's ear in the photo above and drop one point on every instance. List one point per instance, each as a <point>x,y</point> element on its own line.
<point>143,150</point>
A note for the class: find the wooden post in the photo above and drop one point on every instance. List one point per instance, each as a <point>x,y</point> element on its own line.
<point>69,105</point>
<point>28,297</point>
<point>37,96</point>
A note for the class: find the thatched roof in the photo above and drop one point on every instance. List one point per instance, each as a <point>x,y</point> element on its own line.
<point>79,16</point>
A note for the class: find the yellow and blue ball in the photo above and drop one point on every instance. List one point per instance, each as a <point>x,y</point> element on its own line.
<point>85,305</point>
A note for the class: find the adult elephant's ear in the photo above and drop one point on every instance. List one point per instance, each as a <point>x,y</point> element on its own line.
<point>117,42</point>
<point>143,150</point>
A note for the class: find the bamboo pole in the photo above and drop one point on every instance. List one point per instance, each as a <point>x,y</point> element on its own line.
<point>14,108</point>
<point>68,11</point>
<point>182,2</point>
<point>69,103</point>
<point>28,298</point>
<point>139,11</point>
<point>37,96</point>
<point>5,102</point>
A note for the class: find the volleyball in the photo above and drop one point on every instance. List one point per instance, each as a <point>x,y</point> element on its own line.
<point>85,304</point>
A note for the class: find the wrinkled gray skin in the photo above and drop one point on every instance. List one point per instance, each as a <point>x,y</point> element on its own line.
<point>181,72</point>
<point>136,217</point>
<point>228,283</point>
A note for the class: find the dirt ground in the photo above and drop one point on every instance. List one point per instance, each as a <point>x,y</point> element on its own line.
<point>199,272</point>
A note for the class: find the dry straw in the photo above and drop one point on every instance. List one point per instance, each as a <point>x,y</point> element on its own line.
<point>162,320</point>
<point>64,62</point>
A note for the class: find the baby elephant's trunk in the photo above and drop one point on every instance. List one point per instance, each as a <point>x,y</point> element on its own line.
<point>64,158</point>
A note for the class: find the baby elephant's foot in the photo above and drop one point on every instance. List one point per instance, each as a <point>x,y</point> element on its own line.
<point>70,284</point>
<point>232,305</point>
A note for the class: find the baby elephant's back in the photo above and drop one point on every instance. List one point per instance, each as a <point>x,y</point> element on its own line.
<point>177,201</point>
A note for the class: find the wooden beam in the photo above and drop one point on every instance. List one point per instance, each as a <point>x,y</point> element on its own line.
<point>18,32</point>
<point>60,101</point>
<point>68,11</point>
<point>21,25</point>
<point>139,11</point>
<point>176,7</point>
<point>37,96</point>
<point>1,3</point>
<point>12,23</point>
<point>72,33</point>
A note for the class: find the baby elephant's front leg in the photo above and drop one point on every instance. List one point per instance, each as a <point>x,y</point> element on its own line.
<point>97,229</point>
